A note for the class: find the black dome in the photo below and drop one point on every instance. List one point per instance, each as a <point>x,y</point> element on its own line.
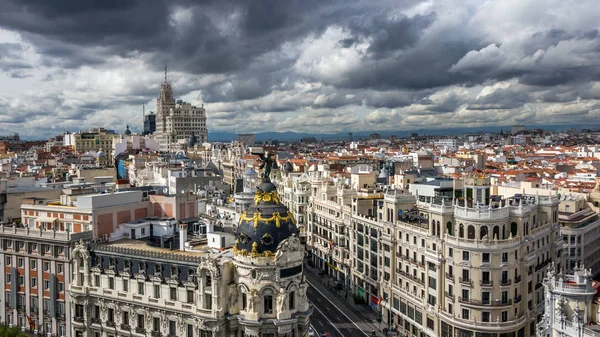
<point>264,225</point>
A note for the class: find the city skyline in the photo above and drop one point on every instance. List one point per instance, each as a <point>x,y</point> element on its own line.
<point>307,67</point>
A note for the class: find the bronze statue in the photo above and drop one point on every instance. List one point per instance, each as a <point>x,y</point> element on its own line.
<point>268,163</point>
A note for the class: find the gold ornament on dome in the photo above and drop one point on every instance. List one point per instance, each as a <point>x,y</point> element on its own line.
<point>266,197</point>
<point>257,217</point>
<point>254,253</point>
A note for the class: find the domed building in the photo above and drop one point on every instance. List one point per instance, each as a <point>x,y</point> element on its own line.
<point>139,283</point>
<point>268,260</point>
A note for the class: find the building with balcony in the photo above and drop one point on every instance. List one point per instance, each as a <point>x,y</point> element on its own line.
<point>571,305</point>
<point>580,230</point>
<point>143,286</point>
<point>36,275</point>
<point>465,264</point>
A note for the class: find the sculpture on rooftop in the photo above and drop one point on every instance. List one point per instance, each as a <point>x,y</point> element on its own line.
<point>268,163</point>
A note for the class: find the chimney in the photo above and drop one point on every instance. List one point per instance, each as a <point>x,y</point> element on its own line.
<point>182,236</point>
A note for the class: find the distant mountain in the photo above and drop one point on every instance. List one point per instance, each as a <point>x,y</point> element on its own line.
<point>217,136</point>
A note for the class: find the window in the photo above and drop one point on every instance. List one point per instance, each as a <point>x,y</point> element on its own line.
<point>485,297</point>
<point>8,260</point>
<point>190,330</point>
<point>504,316</point>
<point>485,257</point>
<point>172,328</point>
<point>268,304</point>
<point>111,315</point>
<point>59,267</point>
<point>46,284</point>
<point>190,296</point>
<point>8,277</point>
<point>292,304</point>
<point>33,282</point>
<point>33,264</point>
<point>60,309</point>
<point>485,316</point>
<point>173,294</point>
<point>208,301</point>
<point>20,262</point>
<point>97,280</point>
<point>465,256</point>
<point>111,283</point>
<point>156,291</point>
<point>140,321</point>
<point>244,301</point>
<point>504,257</point>
<point>155,324</point>
<point>465,294</point>
<point>125,285</point>
<point>46,266</point>
<point>465,313</point>
<point>140,288</point>
<point>450,252</point>
<point>432,283</point>
<point>126,317</point>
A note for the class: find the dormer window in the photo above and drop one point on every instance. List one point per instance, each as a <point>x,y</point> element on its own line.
<point>191,274</point>
<point>157,269</point>
<point>126,265</point>
<point>142,267</point>
<point>174,272</point>
<point>208,282</point>
<point>112,262</point>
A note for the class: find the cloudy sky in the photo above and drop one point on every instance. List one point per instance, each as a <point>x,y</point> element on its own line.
<point>306,66</point>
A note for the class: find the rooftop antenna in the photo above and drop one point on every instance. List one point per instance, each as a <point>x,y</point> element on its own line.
<point>165,73</point>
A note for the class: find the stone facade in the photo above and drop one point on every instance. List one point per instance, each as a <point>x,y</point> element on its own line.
<point>178,121</point>
<point>471,265</point>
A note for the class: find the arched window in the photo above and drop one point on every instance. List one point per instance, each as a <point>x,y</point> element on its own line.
<point>503,232</point>
<point>496,232</point>
<point>439,231</point>
<point>268,299</point>
<point>471,232</point>
<point>449,228</point>
<point>461,231</point>
<point>432,227</point>
<point>527,228</point>
<point>513,229</point>
<point>483,231</point>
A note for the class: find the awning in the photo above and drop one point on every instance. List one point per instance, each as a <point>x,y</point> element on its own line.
<point>45,219</point>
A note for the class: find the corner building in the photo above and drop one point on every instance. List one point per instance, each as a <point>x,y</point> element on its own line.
<point>132,287</point>
<point>472,265</point>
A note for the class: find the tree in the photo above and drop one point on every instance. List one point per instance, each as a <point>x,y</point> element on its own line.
<point>6,331</point>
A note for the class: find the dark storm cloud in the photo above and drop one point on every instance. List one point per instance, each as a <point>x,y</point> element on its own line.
<point>250,58</point>
<point>387,34</point>
<point>501,99</point>
<point>549,58</point>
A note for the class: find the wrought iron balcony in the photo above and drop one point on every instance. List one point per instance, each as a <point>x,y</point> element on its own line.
<point>486,283</point>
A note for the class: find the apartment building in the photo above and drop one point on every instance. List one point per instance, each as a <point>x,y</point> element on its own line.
<point>470,265</point>
<point>95,140</point>
<point>36,274</point>
<point>580,230</point>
